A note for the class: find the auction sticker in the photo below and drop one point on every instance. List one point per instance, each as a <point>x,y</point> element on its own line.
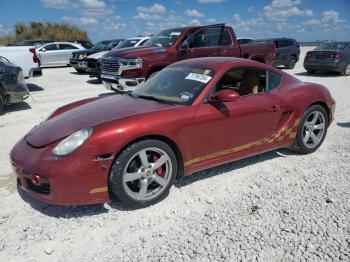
<point>198,77</point>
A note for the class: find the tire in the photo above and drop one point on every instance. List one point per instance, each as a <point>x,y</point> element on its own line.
<point>305,141</point>
<point>346,70</point>
<point>2,104</point>
<point>80,70</point>
<point>310,72</point>
<point>292,60</point>
<point>145,185</point>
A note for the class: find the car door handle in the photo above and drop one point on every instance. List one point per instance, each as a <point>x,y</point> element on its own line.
<point>274,108</point>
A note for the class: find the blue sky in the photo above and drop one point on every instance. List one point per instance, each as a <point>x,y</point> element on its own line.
<point>105,19</point>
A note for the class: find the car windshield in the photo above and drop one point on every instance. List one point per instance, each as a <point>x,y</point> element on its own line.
<point>127,43</point>
<point>165,38</point>
<point>103,45</point>
<point>175,85</point>
<point>332,46</point>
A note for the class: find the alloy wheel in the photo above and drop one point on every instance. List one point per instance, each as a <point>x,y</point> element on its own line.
<point>147,174</point>
<point>313,129</point>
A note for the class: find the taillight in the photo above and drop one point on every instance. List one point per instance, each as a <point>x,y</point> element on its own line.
<point>35,58</point>
<point>335,55</point>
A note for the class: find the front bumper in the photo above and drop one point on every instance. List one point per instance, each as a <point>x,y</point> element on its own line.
<point>317,65</point>
<point>60,181</point>
<point>121,84</point>
<point>78,64</point>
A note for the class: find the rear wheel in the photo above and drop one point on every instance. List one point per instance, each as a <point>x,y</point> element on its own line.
<point>291,62</point>
<point>312,129</point>
<point>346,70</point>
<point>143,173</point>
<point>2,104</point>
<point>311,72</point>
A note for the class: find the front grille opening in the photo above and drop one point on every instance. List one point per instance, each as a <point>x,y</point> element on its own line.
<point>43,188</point>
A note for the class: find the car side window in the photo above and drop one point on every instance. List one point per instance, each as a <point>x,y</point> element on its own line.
<point>273,80</point>
<point>51,47</point>
<point>226,38</point>
<point>245,81</point>
<point>198,40</point>
<point>66,47</point>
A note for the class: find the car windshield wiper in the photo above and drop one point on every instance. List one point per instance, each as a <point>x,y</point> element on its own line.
<point>159,100</point>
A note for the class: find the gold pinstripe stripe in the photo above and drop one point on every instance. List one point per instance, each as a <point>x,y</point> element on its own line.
<point>98,190</point>
<point>279,136</point>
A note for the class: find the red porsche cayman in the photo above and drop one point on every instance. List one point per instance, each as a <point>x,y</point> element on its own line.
<point>192,115</point>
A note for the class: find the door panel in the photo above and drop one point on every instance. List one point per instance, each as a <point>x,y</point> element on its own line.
<point>49,56</point>
<point>233,126</point>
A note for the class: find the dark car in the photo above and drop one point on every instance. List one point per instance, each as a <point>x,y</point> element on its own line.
<point>33,42</point>
<point>78,58</point>
<point>330,56</point>
<point>287,51</point>
<point>13,88</point>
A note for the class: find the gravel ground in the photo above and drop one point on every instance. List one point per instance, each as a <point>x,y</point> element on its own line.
<point>277,206</point>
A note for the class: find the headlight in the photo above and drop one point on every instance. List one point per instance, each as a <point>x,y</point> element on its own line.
<point>82,56</point>
<point>72,142</point>
<point>131,63</point>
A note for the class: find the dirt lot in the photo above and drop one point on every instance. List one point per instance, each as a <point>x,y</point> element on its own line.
<point>277,206</point>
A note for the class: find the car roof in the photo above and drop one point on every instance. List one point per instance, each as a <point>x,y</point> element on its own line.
<point>138,38</point>
<point>68,43</point>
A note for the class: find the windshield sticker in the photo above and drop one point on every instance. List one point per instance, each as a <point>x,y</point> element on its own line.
<point>198,77</point>
<point>186,96</point>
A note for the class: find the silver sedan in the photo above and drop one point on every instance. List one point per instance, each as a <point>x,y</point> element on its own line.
<point>57,53</point>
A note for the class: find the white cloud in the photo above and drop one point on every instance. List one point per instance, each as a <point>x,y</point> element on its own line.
<point>210,1</point>
<point>331,17</point>
<point>312,22</point>
<point>211,20</point>
<point>276,13</point>
<point>154,9</point>
<point>193,13</point>
<point>285,3</point>
<point>149,13</point>
<point>58,4</point>
<point>80,21</point>
<point>194,22</point>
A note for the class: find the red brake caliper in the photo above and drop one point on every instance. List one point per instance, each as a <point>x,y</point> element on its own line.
<point>159,170</point>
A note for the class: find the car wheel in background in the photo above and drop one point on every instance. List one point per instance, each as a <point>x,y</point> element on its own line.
<point>346,70</point>
<point>312,129</point>
<point>311,72</point>
<point>80,70</point>
<point>291,62</point>
<point>2,104</point>
<point>143,173</point>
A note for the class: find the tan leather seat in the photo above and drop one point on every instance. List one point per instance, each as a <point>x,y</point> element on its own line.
<point>250,83</point>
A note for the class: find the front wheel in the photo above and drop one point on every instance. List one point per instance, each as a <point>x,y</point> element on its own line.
<point>143,173</point>
<point>80,71</point>
<point>346,70</point>
<point>312,129</point>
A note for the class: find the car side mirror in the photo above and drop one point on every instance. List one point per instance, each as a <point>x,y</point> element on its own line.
<point>224,96</point>
<point>43,50</point>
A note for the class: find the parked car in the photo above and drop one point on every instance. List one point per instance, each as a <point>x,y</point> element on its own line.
<point>25,57</point>
<point>330,56</point>
<point>78,58</point>
<point>193,115</point>
<point>243,41</point>
<point>287,51</point>
<point>93,63</point>
<point>13,88</point>
<point>33,42</point>
<point>85,43</point>
<point>57,53</point>
<point>124,69</point>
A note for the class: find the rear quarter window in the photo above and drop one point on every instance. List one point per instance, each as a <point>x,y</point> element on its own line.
<point>273,80</point>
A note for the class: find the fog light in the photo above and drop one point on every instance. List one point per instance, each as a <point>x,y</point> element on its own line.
<point>35,179</point>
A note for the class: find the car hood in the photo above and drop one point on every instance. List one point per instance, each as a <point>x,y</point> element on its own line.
<point>98,55</point>
<point>134,52</point>
<point>86,51</point>
<point>97,112</point>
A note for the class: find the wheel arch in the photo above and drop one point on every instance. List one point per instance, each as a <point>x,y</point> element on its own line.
<point>165,139</point>
<point>324,105</point>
